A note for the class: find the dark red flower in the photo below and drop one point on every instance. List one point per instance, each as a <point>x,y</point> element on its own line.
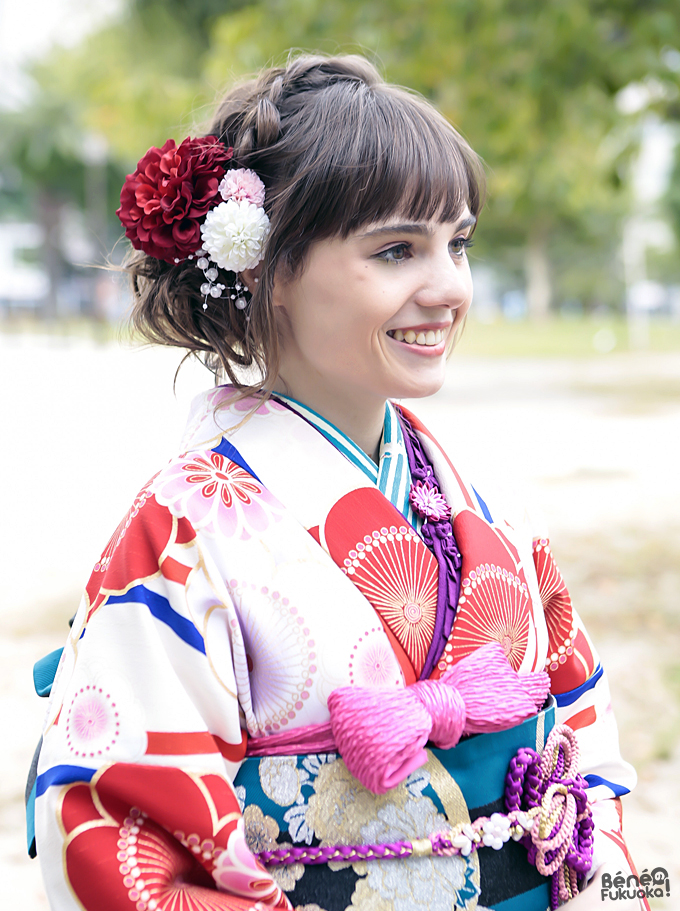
<point>163,203</point>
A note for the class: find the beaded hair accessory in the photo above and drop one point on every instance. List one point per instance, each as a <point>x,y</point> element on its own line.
<point>181,203</point>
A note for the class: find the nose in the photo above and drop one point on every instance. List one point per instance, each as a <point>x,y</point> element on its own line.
<point>447,283</point>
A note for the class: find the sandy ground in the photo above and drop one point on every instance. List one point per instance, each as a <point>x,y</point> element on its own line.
<point>595,442</point>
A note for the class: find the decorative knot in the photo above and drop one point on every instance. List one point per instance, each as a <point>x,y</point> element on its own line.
<point>381,732</point>
<point>560,843</point>
<point>428,502</point>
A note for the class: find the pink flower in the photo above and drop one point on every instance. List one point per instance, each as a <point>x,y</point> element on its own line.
<point>217,495</point>
<point>242,184</point>
<point>428,502</point>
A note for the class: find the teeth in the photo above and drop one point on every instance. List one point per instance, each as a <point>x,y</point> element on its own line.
<point>429,338</point>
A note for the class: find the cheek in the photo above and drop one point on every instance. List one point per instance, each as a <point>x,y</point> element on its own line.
<point>462,310</point>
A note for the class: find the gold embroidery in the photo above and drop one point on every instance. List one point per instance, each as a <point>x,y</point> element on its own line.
<point>367,899</point>
<point>342,811</point>
<point>451,796</point>
<point>261,831</point>
<point>287,875</point>
<point>447,790</point>
<point>340,806</point>
<point>540,732</point>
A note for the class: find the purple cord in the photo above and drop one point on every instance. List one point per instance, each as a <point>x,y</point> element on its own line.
<point>526,784</point>
<point>438,536</point>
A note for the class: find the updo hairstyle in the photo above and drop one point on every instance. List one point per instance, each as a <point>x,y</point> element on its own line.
<point>337,149</point>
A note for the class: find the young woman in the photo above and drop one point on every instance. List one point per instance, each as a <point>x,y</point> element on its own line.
<point>308,595</point>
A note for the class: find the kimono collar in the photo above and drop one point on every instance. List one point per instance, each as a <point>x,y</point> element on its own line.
<point>392,475</point>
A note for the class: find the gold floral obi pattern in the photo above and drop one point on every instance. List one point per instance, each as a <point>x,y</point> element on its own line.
<point>313,800</point>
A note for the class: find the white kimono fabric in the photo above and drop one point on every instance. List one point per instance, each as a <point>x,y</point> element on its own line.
<point>253,575</point>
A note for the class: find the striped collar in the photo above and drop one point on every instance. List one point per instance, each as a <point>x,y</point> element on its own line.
<point>392,475</point>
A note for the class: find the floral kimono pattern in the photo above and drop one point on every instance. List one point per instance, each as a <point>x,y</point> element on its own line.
<point>257,572</point>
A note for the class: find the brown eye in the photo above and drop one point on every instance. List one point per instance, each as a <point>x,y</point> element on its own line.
<point>396,254</point>
<point>460,245</point>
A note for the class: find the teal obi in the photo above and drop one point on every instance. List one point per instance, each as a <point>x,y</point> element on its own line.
<point>312,799</point>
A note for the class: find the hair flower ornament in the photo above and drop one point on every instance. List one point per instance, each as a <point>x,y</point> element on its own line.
<point>164,201</point>
<point>181,203</point>
<point>242,185</point>
<point>234,231</point>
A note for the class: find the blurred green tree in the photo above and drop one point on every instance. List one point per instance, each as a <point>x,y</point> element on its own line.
<point>42,170</point>
<point>532,84</point>
<point>672,199</point>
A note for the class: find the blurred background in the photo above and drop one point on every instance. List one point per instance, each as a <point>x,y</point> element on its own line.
<point>565,386</point>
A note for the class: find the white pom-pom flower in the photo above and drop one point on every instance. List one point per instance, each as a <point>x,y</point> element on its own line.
<point>234,234</point>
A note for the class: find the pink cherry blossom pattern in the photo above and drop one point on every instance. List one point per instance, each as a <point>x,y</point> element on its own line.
<point>217,495</point>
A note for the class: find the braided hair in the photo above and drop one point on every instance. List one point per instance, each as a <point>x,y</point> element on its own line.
<point>337,149</point>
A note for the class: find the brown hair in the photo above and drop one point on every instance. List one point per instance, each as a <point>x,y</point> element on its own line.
<point>337,149</point>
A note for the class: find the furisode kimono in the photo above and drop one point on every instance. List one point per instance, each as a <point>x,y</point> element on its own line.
<point>267,565</point>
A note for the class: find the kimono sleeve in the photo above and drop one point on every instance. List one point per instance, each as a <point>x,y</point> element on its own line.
<point>135,808</point>
<point>579,685</point>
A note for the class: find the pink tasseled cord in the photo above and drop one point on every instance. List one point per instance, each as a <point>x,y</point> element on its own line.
<point>381,732</point>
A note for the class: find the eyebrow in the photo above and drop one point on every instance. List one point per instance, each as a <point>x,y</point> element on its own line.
<point>417,228</point>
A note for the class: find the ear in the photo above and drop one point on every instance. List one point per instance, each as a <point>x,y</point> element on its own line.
<point>251,277</point>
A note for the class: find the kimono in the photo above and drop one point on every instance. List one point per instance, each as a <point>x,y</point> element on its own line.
<point>266,565</point>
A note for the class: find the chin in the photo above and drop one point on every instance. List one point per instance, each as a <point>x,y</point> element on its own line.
<point>418,390</point>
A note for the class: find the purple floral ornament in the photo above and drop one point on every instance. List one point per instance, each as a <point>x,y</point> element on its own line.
<point>428,502</point>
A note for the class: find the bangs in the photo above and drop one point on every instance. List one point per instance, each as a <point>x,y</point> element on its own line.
<point>408,163</point>
<point>370,154</point>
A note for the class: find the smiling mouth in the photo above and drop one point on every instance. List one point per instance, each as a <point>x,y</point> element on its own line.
<point>428,338</point>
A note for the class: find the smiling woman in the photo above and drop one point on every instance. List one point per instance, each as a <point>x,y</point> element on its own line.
<point>314,668</point>
<point>370,318</point>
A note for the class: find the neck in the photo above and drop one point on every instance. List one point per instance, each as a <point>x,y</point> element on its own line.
<point>360,420</point>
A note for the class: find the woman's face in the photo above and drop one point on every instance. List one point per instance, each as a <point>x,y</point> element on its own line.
<point>371,316</point>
